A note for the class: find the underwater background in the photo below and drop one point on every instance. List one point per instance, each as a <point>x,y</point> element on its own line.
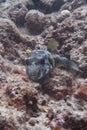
<point>59,102</point>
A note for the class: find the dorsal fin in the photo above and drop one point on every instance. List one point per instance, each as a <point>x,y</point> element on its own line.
<point>52,45</point>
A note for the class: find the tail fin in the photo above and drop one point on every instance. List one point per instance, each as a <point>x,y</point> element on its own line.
<point>70,65</point>
<point>66,63</point>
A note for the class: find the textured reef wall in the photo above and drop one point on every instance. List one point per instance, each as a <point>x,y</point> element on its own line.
<point>60,102</point>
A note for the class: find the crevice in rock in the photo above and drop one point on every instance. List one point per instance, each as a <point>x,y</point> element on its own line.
<point>47,8</point>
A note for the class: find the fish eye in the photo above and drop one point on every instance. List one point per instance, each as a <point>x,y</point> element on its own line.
<point>27,62</point>
<point>42,61</point>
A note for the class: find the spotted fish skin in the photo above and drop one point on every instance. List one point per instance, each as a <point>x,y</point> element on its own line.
<point>38,64</point>
<point>41,62</point>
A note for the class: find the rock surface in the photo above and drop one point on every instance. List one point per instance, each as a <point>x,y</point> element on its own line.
<point>60,101</point>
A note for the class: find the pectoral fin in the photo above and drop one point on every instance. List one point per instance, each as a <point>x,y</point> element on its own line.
<point>52,61</point>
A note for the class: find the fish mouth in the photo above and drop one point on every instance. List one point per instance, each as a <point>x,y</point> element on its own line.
<point>37,76</point>
<point>34,73</point>
<point>34,78</point>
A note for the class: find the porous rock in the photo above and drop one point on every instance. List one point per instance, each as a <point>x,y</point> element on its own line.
<point>36,21</point>
<point>17,13</point>
<point>59,102</point>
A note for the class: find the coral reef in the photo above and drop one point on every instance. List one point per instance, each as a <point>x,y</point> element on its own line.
<point>36,21</point>
<point>17,13</point>
<point>58,102</point>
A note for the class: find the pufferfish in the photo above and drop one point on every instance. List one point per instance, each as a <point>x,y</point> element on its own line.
<point>41,62</point>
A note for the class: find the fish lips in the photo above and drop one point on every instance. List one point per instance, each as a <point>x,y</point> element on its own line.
<point>37,72</point>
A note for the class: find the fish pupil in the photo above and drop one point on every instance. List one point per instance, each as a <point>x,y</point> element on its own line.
<point>42,61</point>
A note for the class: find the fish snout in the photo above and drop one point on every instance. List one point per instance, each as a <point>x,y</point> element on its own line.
<point>33,72</point>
